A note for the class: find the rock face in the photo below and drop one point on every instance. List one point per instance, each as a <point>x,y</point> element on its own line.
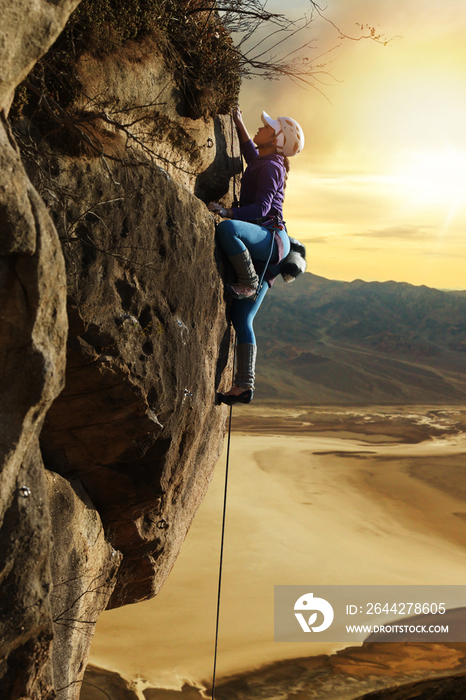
<point>131,442</point>
<point>453,688</point>
<point>33,328</point>
<point>122,233</point>
<point>375,671</point>
<point>98,682</point>
<point>149,115</point>
<point>83,567</point>
<point>29,28</point>
<point>137,421</point>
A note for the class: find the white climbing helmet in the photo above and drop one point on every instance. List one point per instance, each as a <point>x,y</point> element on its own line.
<point>290,137</point>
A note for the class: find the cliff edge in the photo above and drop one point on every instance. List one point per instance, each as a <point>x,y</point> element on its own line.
<point>114,334</point>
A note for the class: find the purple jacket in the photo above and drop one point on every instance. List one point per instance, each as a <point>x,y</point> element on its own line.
<point>262,185</point>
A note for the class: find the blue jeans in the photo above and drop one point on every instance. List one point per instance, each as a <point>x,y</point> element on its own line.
<point>234,237</point>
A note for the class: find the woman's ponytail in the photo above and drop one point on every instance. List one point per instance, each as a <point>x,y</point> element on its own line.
<point>286,163</point>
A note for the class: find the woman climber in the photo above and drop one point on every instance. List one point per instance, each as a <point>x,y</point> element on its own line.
<point>254,236</point>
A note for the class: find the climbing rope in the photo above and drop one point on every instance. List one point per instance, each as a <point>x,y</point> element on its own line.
<point>222,540</point>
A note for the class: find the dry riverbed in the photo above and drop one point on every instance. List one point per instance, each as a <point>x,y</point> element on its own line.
<point>316,496</point>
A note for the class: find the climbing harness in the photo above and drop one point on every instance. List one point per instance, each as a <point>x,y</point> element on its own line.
<point>261,281</point>
<point>272,223</point>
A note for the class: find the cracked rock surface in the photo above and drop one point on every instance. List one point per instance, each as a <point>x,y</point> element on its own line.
<point>148,341</point>
<point>110,293</point>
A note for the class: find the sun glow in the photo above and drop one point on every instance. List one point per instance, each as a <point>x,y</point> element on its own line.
<point>379,191</point>
<point>434,177</point>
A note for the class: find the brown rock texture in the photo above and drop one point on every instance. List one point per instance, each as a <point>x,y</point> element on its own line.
<point>148,341</point>
<point>25,614</point>
<point>376,671</point>
<point>132,442</point>
<point>453,688</point>
<point>99,683</point>
<point>33,328</point>
<point>382,671</point>
<point>29,28</point>
<point>84,567</point>
<point>135,106</point>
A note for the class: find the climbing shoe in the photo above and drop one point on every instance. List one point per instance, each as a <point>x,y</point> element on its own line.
<point>230,399</point>
<point>245,270</point>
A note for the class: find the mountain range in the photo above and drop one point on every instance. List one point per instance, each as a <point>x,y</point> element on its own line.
<point>351,343</point>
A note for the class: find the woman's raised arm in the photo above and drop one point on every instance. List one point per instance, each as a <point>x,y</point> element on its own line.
<point>237,115</point>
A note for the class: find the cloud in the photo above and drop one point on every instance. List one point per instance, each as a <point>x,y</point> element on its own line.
<point>452,254</point>
<point>366,249</point>
<point>316,239</point>
<point>400,232</point>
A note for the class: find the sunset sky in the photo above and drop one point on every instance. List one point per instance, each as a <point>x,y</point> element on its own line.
<point>379,193</point>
